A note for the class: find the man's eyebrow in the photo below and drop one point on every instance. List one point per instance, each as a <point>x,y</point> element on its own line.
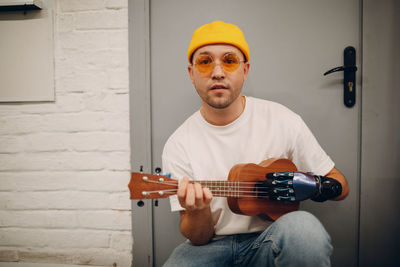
<point>209,53</point>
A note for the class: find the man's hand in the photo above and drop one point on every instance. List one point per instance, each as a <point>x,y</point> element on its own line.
<point>193,197</point>
<point>298,186</point>
<point>196,219</point>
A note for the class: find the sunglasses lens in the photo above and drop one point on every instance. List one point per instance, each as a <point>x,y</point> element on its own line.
<point>204,63</point>
<point>230,62</point>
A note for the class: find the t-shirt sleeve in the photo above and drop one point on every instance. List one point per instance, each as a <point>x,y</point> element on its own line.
<point>307,153</point>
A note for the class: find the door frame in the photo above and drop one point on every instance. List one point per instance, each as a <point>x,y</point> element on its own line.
<point>140,125</point>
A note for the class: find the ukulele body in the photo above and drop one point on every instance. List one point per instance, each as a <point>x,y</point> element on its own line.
<point>266,208</point>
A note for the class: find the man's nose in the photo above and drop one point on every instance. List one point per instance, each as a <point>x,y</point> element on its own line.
<point>218,71</point>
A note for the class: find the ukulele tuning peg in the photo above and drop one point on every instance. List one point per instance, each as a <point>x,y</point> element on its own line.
<point>140,203</point>
<point>158,170</point>
<point>141,168</point>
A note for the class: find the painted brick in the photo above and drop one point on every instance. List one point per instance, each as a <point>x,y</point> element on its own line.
<point>60,200</point>
<point>118,78</point>
<point>7,255</point>
<point>87,81</point>
<point>92,40</point>
<point>65,22</point>
<point>9,110</point>
<point>120,201</point>
<point>106,258</point>
<point>37,142</point>
<point>79,61</point>
<point>20,124</point>
<point>83,161</point>
<point>76,122</point>
<point>82,40</point>
<point>118,161</point>
<point>80,5</point>
<point>107,102</point>
<point>11,144</point>
<point>116,4</point>
<point>39,219</point>
<point>66,122</point>
<point>98,257</point>
<point>44,256</point>
<point>121,241</point>
<point>119,39</point>
<point>55,238</point>
<point>97,181</point>
<point>98,141</point>
<point>110,19</point>
<point>117,122</point>
<point>119,59</point>
<point>106,220</point>
<point>71,103</point>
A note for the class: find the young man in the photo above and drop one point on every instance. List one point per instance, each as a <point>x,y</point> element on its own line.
<point>230,129</point>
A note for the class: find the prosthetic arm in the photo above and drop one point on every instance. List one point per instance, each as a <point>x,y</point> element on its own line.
<point>298,186</point>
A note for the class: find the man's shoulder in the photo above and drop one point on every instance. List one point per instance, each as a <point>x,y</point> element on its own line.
<point>182,131</point>
<point>269,107</point>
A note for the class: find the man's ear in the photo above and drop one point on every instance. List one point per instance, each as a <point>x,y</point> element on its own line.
<point>246,70</point>
<point>190,70</point>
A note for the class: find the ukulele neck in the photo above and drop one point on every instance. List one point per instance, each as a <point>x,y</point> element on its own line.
<point>225,188</point>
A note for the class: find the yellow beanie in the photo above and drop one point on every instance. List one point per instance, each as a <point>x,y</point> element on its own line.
<point>218,32</point>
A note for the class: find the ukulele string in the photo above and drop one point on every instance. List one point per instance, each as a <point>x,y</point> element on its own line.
<point>234,194</point>
<point>219,193</point>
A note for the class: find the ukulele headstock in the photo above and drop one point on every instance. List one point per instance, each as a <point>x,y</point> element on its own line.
<point>151,186</point>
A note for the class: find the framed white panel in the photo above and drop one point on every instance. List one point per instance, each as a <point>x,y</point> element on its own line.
<point>27,55</point>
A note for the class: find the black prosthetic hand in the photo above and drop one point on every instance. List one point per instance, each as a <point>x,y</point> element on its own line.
<point>328,188</point>
<point>299,186</point>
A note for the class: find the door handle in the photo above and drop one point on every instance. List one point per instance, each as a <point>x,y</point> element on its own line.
<point>349,80</point>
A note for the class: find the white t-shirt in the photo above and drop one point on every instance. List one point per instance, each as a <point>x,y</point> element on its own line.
<point>202,151</point>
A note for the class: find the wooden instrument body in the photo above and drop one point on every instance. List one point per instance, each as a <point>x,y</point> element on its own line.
<point>260,206</point>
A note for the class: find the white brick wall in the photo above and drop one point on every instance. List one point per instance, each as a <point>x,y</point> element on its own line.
<point>65,165</point>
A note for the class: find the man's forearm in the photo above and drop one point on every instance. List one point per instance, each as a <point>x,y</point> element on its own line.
<point>197,226</point>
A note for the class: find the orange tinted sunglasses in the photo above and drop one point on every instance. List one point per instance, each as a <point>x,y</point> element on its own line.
<point>205,63</point>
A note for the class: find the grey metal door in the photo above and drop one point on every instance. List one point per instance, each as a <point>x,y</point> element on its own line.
<point>292,43</point>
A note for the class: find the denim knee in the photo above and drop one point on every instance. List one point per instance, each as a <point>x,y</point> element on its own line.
<point>303,226</point>
<point>299,237</point>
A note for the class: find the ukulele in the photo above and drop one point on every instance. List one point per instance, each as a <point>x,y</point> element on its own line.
<point>251,189</point>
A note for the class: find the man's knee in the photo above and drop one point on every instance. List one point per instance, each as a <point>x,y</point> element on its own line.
<point>303,227</point>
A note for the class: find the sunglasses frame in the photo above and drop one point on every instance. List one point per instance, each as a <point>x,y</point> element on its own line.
<point>212,64</point>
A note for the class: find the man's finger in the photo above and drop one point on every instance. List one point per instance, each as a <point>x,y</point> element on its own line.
<point>190,196</point>
<point>181,193</point>
<point>182,187</point>
<point>207,196</point>
<point>198,195</point>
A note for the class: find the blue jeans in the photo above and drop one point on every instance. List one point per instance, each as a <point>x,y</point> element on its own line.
<point>295,239</point>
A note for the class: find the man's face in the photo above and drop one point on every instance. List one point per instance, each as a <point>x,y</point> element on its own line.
<point>219,87</point>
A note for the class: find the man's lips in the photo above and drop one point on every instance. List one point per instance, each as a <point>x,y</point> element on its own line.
<point>218,86</point>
